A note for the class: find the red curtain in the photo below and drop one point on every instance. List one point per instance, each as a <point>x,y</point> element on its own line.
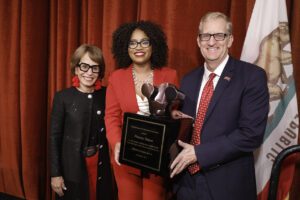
<point>38,38</point>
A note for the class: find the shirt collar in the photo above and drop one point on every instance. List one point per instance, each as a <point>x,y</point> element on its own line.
<point>218,71</point>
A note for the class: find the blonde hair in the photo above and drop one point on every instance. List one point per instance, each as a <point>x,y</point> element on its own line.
<point>213,16</point>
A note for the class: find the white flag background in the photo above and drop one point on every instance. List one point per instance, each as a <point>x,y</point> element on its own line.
<point>267,45</point>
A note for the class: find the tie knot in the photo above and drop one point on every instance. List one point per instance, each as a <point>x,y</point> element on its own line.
<point>211,76</point>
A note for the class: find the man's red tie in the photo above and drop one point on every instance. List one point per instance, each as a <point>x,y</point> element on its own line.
<point>202,108</point>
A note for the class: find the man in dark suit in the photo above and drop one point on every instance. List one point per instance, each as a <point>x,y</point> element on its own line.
<point>229,100</point>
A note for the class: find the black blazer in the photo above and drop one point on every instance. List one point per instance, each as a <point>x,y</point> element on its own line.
<point>77,121</point>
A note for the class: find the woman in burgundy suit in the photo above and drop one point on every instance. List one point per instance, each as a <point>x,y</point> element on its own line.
<point>140,50</point>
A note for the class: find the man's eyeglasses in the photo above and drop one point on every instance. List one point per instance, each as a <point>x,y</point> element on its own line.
<point>143,43</point>
<point>217,36</point>
<point>85,67</point>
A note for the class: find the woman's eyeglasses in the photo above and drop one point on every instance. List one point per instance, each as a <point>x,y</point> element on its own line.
<point>144,43</point>
<point>85,67</point>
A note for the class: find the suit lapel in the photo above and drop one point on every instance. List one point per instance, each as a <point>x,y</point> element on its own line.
<point>129,87</point>
<point>156,77</point>
<point>195,86</point>
<point>223,83</point>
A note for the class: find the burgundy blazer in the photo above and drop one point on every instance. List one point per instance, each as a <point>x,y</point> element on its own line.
<point>121,98</point>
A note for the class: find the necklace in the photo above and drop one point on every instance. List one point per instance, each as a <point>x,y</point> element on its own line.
<point>139,82</point>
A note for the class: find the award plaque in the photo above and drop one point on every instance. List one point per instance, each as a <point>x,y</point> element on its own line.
<point>146,141</point>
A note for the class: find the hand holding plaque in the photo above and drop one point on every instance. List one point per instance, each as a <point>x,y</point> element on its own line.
<point>146,140</point>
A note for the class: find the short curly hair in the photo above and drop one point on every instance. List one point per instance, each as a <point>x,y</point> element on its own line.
<point>121,38</point>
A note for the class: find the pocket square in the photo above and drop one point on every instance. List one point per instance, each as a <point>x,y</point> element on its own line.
<point>227,78</point>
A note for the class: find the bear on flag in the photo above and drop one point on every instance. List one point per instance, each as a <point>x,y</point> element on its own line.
<point>267,44</point>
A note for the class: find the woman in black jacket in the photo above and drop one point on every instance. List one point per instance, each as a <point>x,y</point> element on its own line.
<point>80,164</point>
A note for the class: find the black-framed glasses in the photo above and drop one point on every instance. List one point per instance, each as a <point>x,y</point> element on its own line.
<point>217,36</point>
<point>85,67</point>
<point>144,43</point>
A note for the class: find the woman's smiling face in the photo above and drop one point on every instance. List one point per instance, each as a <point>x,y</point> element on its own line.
<point>87,79</point>
<point>140,55</point>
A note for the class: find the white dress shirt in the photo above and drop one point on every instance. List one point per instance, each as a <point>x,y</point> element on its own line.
<point>218,71</point>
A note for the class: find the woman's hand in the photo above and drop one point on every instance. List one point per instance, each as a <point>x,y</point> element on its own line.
<point>58,185</point>
<point>117,152</point>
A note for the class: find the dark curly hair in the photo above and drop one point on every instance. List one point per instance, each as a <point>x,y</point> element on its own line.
<point>121,38</point>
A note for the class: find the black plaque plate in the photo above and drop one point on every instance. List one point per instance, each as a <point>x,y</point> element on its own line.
<point>146,142</point>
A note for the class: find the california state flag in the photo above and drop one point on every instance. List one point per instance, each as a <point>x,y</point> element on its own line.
<point>267,45</point>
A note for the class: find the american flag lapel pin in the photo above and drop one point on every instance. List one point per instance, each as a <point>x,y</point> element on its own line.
<point>227,78</point>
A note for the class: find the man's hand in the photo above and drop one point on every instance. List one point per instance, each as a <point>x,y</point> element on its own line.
<point>117,152</point>
<point>176,114</point>
<point>186,157</point>
<point>58,185</point>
